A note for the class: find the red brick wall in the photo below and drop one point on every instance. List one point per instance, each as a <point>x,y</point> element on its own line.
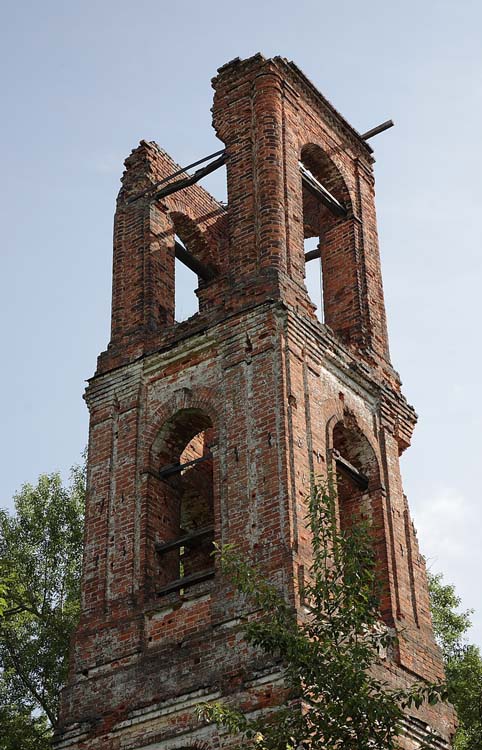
<point>266,113</point>
<point>273,387</point>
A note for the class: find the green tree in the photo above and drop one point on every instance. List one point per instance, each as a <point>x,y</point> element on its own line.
<point>463,662</point>
<point>40,564</point>
<point>334,697</point>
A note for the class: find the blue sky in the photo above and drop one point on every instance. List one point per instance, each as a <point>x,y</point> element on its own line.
<point>83,82</point>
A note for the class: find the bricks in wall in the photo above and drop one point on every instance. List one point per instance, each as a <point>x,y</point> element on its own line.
<point>259,390</point>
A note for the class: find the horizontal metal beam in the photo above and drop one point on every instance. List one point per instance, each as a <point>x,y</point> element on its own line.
<point>181,583</point>
<point>312,254</point>
<point>321,192</point>
<point>379,129</point>
<point>167,471</point>
<point>350,471</point>
<point>190,166</point>
<point>209,168</point>
<point>196,266</point>
<point>174,187</point>
<point>188,540</point>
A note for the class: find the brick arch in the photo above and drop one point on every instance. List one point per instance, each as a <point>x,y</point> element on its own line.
<point>326,170</point>
<point>335,407</point>
<point>197,208</point>
<point>183,399</point>
<point>211,219</point>
<point>339,239</point>
<point>345,435</point>
<point>181,504</point>
<point>354,445</point>
<point>343,416</point>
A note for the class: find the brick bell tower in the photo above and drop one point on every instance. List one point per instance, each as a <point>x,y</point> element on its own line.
<point>210,429</point>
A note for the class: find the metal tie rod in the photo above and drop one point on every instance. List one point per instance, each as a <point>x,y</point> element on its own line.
<point>321,192</point>
<point>174,187</point>
<point>190,166</point>
<point>379,129</point>
<point>189,180</point>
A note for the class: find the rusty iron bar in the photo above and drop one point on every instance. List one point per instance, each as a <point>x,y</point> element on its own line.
<point>321,192</point>
<point>350,471</point>
<point>154,193</point>
<point>181,583</point>
<point>176,468</point>
<point>188,540</point>
<point>190,166</point>
<point>174,187</point>
<point>378,129</point>
<point>204,272</point>
<point>312,254</point>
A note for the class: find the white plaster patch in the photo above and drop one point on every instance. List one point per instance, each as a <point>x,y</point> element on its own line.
<point>172,706</point>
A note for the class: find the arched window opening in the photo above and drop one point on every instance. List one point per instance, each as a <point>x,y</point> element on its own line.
<point>360,495</point>
<point>324,211</point>
<point>186,282</point>
<point>355,464</point>
<point>185,536</point>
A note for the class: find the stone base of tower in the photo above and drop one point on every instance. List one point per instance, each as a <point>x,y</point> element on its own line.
<point>174,725</point>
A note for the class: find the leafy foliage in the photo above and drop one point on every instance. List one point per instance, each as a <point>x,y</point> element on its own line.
<point>21,730</point>
<point>463,662</point>
<point>40,563</point>
<point>330,659</point>
<point>449,624</point>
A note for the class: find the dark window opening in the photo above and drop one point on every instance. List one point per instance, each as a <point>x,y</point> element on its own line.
<point>360,497</point>
<point>356,466</point>
<point>185,541</point>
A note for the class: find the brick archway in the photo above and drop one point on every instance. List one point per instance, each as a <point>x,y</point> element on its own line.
<point>201,400</point>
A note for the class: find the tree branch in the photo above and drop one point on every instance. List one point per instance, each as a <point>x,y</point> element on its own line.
<point>29,685</point>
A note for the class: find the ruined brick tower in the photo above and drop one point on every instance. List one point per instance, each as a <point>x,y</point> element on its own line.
<point>211,428</point>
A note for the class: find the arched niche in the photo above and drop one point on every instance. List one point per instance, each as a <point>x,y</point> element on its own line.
<point>361,496</point>
<point>357,474</point>
<point>182,501</point>
<point>332,275</point>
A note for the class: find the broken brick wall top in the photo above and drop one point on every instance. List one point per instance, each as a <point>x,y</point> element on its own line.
<point>269,117</point>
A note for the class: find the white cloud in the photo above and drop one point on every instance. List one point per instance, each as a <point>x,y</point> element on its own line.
<point>442,522</point>
<point>450,540</point>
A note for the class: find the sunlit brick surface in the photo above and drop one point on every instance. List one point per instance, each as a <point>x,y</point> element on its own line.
<point>264,393</point>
